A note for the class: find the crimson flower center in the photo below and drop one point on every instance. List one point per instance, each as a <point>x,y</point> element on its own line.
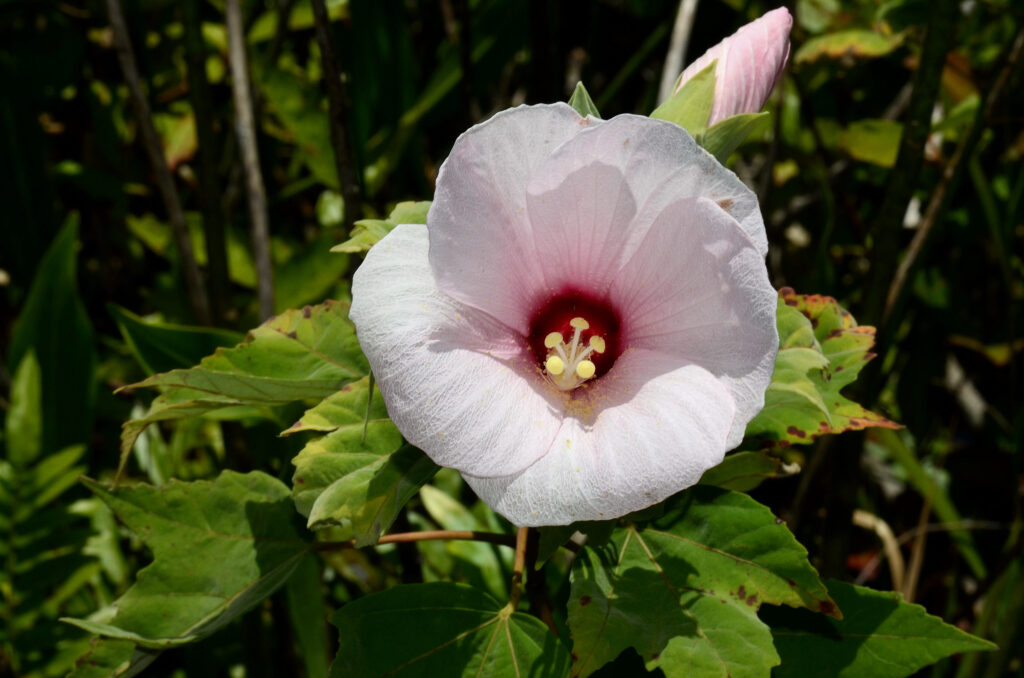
<point>575,338</point>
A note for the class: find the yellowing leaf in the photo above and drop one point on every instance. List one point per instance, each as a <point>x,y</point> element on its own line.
<point>821,351</point>
<point>853,43</point>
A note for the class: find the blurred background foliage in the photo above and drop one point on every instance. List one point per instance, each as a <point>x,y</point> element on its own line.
<point>890,178</point>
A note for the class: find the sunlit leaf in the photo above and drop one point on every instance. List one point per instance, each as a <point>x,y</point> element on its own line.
<point>856,43</point>
<point>368,232</point>
<point>690,107</point>
<point>821,351</point>
<point>873,141</point>
<point>350,480</point>
<point>684,588</point>
<point>880,635</point>
<point>443,629</point>
<point>306,353</point>
<point>219,548</point>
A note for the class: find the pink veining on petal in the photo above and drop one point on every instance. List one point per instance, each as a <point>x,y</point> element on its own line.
<point>750,62</point>
<point>584,326</point>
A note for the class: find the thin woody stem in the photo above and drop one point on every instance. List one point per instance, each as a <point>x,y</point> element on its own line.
<point>519,564</point>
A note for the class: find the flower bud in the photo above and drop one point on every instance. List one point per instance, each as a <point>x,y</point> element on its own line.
<point>750,62</point>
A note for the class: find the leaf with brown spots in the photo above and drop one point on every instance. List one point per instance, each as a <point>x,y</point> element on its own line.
<point>684,589</point>
<point>821,351</point>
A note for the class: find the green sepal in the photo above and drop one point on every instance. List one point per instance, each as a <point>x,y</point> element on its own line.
<point>725,136</point>
<point>582,103</point>
<point>690,107</point>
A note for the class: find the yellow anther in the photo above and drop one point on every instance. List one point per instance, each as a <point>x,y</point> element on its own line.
<point>553,339</point>
<point>579,323</point>
<point>585,370</point>
<point>597,343</point>
<point>554,365</point>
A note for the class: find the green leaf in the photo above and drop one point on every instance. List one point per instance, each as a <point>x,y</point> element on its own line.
<point>880,635</point>
<point>55,324</point>
<point>368,232</point>
<point>873,141</point>
<point>310,275</point>
<point>307,611</point>
<point>343,479</point>
<point>161,347</point>
<point>24,422</point>
<point>219,548</point>
<point>299,108</point>
<point>684,589</point>
<point>690,107</point>
<point>846,44</point>
<point>110,658</point>
<point>471,562</point>
<point>743,471</point>
<point>443,629</point>
<point>821,351</point>
<point>306,353</point>
<point>582,103</point>
<point>725,136</point>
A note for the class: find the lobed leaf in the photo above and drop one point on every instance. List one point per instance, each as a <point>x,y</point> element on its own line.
<point>219,548</point>
<point>821,351</point>
<point>684,588</point>
<point>880,635</point>
<point>443,629</point>
<point>306,353</point>
<point>350,481</point>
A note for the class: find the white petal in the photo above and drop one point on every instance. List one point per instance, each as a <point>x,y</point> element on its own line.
<point>459,385</point>
<point>580,223</point>
<point>658,424</point>
<point>661,163</point>
<point>482,246</point>
<point>698,288</point>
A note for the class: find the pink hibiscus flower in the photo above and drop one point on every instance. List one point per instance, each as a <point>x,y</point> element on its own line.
<point>750,63</point>
<point>585,324</point>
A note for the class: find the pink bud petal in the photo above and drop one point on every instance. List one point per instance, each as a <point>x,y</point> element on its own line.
<point>750,62</point>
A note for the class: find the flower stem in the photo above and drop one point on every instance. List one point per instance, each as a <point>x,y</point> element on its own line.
<point>518,565</point>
